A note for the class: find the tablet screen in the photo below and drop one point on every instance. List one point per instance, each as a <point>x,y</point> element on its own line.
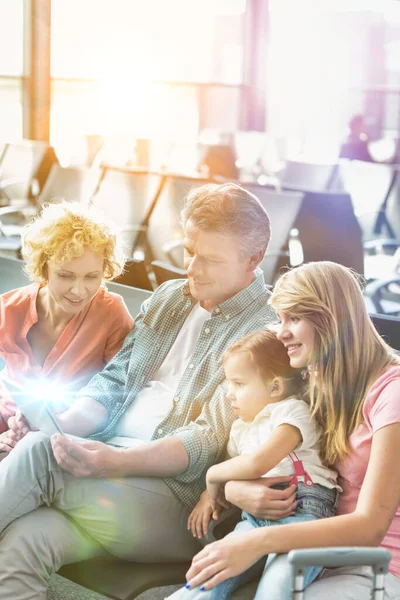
<point>34,408</point>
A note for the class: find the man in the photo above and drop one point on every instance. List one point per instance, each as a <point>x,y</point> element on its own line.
<point>158,401</point>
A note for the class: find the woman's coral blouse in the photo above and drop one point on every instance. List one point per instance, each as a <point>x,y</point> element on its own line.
<point>89,341</point>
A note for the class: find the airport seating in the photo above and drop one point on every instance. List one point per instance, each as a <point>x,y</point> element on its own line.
<point>329,230</point>
<point>20,165</point>
<point>127,197</point>
<point>63,183</point>
<point>302,176</point>
<point>283,209</point>
<point>135,275</point>
<point>369,185</point>
<point>164,233</point>
<point>392,207</point>
<point>164,271</point>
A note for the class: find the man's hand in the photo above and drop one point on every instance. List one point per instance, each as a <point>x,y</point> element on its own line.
<point>86,459</point>
<point>259,499</point>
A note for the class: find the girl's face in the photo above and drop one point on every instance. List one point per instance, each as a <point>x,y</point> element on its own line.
<point>247,391</point>
<point>298,337</point>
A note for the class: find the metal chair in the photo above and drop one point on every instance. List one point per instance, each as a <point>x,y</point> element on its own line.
<point>21,165</point>
<point>303,176</point>
<point>164,233</point>
<point>135,275</point>
<point>282,209</point>
<point>128,197</point>
<point>63,183</point>
<point>164,272</point>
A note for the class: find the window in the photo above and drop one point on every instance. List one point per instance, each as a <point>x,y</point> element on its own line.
<point>138,69</point>
<point>11,69</point>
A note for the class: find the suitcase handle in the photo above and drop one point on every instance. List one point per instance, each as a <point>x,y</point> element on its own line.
<point>377,558</point>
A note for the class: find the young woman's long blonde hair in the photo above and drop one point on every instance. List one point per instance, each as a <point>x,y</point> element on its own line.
<point>349,354</point>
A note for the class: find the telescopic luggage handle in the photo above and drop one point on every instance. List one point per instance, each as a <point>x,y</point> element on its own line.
<point>377,558</point>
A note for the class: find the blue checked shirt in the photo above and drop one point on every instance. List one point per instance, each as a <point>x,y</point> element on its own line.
<point>200,416</point>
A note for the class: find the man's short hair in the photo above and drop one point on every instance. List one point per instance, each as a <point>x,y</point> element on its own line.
<point>229,208</point>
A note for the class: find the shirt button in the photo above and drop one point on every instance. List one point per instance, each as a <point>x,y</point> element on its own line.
<point>160,431</point>
<point>176,399</point>
<point>227,317</point>
<point>217,310</point>
<point>207,330</point>
<point>191,366</point>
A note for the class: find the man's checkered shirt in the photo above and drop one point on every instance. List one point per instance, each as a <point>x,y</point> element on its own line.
<point>200,416</point>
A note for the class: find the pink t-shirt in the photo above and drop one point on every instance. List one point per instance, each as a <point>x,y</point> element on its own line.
<point>381,408</point>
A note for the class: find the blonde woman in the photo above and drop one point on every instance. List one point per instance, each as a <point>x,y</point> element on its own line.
<point>354,386</point>
<point>65,326</point>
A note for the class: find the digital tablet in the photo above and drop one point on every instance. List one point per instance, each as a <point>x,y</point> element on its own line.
<point>33,407</point>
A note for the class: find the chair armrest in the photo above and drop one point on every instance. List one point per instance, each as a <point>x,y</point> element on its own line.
<point>340,557</point>
<point>377,558</point>
<point>134,228</point>
<point>4,183</point>
<point>380,244</point>
<point>374,290</point>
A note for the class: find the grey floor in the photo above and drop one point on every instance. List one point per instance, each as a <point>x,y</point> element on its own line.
<point>63,589</point>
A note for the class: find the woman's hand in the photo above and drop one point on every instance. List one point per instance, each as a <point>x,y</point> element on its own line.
<point>18,428</point>
<point>224,559</point>
<point>258,498</point>
<point>7,443</point>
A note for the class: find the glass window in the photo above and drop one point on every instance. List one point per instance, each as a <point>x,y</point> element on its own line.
<point>10,110</point>
<point>11,37</point>
<point>156,40</point>
<point>11,69</point>
<point>128,67</point>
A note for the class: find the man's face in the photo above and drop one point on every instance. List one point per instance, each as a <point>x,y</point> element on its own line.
<point>215,268</point>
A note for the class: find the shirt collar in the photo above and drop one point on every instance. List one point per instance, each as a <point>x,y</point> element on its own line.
<point>240,301</point>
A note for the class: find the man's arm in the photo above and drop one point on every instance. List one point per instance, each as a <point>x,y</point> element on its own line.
<point>159,458</point>
<point>186,454</point>
<point>89,413</point>
<point>84,417</point>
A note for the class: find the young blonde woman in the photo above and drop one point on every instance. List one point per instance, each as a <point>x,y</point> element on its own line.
<point>354,386</point>
<point>65,326</point>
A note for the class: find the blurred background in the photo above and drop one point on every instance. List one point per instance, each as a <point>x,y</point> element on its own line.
<point>127,104</point>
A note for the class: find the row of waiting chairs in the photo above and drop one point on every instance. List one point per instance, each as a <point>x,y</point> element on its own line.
<point>374,189</point>
<point>146,208</point>
<point>149,204</point>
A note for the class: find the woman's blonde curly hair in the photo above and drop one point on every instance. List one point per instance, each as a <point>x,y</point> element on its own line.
<point>62,232</point>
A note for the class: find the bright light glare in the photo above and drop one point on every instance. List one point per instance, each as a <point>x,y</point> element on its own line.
<point>50,392</point>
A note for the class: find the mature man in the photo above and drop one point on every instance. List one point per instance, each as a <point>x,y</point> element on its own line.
<point>158,402</point>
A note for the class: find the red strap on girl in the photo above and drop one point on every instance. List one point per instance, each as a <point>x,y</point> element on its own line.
<point>299,471</point>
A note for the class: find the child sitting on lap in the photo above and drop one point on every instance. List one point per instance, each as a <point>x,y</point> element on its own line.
<point>274,435</point>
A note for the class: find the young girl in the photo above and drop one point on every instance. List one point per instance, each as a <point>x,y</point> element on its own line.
<point>354,390</point>
<point>273,436</point>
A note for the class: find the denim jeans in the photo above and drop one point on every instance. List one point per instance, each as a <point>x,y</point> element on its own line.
<point>275,570</point>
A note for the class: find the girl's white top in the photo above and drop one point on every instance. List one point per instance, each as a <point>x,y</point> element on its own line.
<point>246,438</point>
